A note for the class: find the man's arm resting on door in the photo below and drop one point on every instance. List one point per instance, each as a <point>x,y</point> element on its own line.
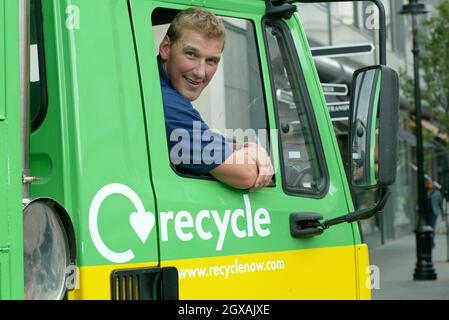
<point>247,168</point>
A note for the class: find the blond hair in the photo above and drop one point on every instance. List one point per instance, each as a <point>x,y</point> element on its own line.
<point>197,19</point>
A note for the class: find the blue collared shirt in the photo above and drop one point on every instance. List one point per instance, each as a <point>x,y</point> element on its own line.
<point>193,146</point>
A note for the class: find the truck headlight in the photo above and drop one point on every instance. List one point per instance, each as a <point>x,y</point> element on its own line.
<point>46,251</point>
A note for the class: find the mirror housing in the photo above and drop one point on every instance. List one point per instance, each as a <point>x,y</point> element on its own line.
<point>373,127</point>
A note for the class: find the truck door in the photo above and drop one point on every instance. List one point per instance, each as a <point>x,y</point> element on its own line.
<point>89,148</point>
<point>229,243</point>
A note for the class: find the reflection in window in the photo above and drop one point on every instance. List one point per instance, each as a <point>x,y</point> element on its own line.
<point>362,159</point>
<point>345,11</point>
<point>301,169</point>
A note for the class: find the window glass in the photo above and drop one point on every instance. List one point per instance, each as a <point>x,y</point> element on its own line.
<point>345,11</point>
<point>300,162</point>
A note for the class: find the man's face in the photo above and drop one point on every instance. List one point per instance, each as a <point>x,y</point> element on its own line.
<point>190,62</point>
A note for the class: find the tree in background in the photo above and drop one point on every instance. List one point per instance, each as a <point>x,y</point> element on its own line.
<point>434,59</point>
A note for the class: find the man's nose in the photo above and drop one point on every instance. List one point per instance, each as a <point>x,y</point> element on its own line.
<point>200,69</point>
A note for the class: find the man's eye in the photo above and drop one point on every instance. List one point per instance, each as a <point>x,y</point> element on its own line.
<point>190,54</point>
<point>213,62</point>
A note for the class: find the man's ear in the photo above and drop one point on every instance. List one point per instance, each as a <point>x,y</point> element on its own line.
<point>164,48</point>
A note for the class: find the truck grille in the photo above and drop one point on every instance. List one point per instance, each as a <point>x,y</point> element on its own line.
<point>134,284</point>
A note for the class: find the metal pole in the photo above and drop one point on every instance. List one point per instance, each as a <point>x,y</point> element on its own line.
<point>446,222</point>
<point>424,267</point>
<point>329,24</point>
<point>419,141</point>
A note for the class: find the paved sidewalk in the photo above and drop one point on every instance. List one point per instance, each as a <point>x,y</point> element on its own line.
<point>396,261</point>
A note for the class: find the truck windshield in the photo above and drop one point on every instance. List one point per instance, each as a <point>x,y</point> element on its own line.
<point>300,162</point>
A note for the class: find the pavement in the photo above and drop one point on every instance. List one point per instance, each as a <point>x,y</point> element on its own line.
<point>396,261</point>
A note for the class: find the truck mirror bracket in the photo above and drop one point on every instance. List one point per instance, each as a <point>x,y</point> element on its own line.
<point>281,11</point>
<point>362,214</point>
<point>307,224</point>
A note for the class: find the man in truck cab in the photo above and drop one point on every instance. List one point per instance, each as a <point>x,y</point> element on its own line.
<point>189,56</point>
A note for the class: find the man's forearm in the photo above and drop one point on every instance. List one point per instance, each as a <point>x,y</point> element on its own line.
<point>239,170</point>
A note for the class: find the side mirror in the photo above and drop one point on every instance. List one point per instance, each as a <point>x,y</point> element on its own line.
<point>373,127</point>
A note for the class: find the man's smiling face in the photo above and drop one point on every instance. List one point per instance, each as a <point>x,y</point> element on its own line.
<point>190,62</point>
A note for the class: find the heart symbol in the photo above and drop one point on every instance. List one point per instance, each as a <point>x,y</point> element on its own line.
<point>142,223</point>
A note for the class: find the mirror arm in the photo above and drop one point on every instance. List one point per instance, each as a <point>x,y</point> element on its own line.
<point>307,225</point>
<point>361,214</point>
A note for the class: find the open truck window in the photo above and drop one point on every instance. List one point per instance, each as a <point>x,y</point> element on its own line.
<point>233,104</point>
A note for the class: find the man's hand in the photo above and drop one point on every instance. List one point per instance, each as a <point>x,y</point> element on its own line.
<point>264,165</point>
<point>249,167</point>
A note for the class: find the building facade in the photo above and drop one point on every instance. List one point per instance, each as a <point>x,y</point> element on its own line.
<point>355,23</point>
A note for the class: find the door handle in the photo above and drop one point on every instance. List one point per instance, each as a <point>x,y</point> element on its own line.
<point>305,224</point>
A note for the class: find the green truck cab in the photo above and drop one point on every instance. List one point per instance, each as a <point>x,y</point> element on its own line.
<point>91,207</point>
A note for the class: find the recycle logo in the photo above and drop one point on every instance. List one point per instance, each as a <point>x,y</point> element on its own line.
<point>242,222</point>
<point>141,221</point>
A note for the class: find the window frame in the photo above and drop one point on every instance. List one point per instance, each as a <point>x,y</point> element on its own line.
<point>39,119</point>
<point>316,140</point>
<point>209,177</point>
